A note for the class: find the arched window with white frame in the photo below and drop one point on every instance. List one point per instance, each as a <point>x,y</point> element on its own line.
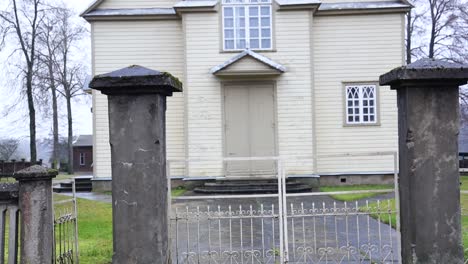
<point>361,104</point>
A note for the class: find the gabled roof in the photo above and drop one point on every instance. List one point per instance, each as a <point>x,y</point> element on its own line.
<point>83,141</point>
<point>184,4</point>
<point>91,7</point>
<point>323,8</point>
<point>298,4</point>
<point>343,7</point>
<point>130,12</point>
<point>196,3</point>
<point>249,53</point>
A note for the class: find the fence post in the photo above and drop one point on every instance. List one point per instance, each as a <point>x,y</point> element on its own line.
<point>428,119</point>
<point>137,106</point>
<point>37,221</point>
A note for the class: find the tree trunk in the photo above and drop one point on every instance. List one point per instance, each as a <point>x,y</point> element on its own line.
<point>55,132</point>
<point>408,37</point>
<point>431,45</point>
<point>433,33</point>
<point>32,115</point>
<point>56,158</point>
<point>70,134</point>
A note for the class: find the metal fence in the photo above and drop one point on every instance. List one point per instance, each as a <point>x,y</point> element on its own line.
<point>9,223</point>
<point>65,247</point>
<point>316,233</point>
<point>341,232</point>
<point>285,227</point>
<point>66,230</point>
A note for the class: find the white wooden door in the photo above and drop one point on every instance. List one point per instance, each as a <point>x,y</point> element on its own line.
<point>249,116</point>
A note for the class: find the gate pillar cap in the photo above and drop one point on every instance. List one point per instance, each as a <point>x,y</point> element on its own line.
<point>427,73</point>
<point>35,173</point>
<point>136,80</point>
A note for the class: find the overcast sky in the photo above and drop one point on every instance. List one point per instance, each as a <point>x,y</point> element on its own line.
<point>16,124</point>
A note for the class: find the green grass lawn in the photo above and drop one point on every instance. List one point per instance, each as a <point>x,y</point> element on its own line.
<point>384,216</point>
<point>464,219</point>
<point>179,191</point>
<point>95,229</point>
<point>386,219</point>
<point>464,183</point>
<point>354,197</point>
<point>174,192</point>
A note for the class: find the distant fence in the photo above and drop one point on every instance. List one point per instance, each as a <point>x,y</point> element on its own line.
<point>8,168</point>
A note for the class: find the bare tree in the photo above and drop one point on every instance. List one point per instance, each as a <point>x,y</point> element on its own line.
<point>458,51</point>
<point>443,14</point>
<point>414,31</point>
<point>70,75</point>
<point>8,148</point>
<point>21,22</point>
<point>50,43</point>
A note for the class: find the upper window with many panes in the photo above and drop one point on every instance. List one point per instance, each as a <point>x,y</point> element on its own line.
<point>361,104</point>
<point>247,24</point>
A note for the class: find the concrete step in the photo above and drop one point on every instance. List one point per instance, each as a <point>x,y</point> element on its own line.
<point>302,188</point>
<point>60,189</point>
<point>82,184</point>
<point>249,187</point>
<point>83,179</point>
<point>231,184</point>
<point>78,184</point>
<point>267,178</point>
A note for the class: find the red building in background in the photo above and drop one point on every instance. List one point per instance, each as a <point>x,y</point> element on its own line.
<point>83,154</point>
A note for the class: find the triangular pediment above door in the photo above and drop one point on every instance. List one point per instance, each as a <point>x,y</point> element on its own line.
<point>248,63</point>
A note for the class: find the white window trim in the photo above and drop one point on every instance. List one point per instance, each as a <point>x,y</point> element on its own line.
<point>246,4</point>
<point>82,159</point>
<point>361,122</point>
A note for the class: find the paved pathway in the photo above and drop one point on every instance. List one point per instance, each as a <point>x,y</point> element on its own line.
<point>328,236</point>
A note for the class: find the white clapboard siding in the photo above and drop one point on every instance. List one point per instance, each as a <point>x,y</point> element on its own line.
<point>116,4</point>
<point>294,89</point>
<point>356,48</point>
<point>154,44</point>
<point>319,53</point>
<point>204,91</point>
<point>346,1</point>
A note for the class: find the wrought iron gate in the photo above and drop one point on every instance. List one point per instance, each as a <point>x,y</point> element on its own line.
<point>66,230</point>
<point>285,227</point>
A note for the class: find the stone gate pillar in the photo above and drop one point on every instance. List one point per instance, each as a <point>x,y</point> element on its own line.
<point>37,219</point>
<point>428,120</point>
<point>137,106</point>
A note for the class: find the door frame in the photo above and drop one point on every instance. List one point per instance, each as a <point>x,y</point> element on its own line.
<point>224,86</point>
